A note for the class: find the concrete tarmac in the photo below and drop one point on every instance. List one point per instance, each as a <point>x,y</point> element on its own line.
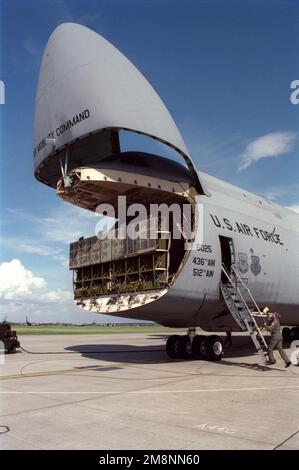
<point>121,391</point>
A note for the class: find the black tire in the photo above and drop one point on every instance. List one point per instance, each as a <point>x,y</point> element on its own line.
<point>12,349</point>
<point>294,333</point>
<point>172,346</point>
<point>184,347</point>
<point>286,334</point>
<point>215,348</point>
<point>199,347</point>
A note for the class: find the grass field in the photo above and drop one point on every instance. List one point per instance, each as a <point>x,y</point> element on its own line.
<point>92,329</point>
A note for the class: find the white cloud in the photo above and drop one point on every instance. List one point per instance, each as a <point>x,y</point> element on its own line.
<point>35,247</point>
<point>57,296</point>
<point>294,207</point>
<point>52,232</point>
<point>47,236</point>
<point>278,193</point>
<point>89,18</point>
<point>269,145</point>
<point>41,250</point>
<point>66,223</point>
<point>32,48</point>
<point>16,281</point>
<point>273,194</point>
<point>20,284</point>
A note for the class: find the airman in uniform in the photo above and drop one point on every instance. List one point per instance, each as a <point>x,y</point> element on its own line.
<point>276,337</point>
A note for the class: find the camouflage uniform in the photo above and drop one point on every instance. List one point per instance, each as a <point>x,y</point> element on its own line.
<point>276,342</point>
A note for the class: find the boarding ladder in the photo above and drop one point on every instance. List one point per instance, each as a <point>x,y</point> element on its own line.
<point>236,303</point>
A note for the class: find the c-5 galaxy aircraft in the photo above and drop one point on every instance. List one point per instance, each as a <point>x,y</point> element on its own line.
<point>241,251</point>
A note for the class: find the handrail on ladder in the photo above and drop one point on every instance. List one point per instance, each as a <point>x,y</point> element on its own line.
<point>238,276</point>
<point>224,269</point>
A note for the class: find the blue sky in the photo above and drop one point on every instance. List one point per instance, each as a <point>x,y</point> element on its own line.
<point>224,70</point>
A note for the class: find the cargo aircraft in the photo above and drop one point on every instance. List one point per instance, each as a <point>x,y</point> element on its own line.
<point>241,251</point>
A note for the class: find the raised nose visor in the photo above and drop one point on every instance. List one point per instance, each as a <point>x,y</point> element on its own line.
<point>88,92</point>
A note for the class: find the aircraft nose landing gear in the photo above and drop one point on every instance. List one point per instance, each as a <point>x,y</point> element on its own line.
<point>194,346</point>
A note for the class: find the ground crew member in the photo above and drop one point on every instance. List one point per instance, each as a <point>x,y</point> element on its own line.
<point>276,339</point>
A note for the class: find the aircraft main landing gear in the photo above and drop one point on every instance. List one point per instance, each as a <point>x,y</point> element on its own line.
<point>194,346</point>
<point>290,334</point>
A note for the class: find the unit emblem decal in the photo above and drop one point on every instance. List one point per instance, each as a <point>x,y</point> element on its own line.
<point>255,265</point>
<point>243,263</point>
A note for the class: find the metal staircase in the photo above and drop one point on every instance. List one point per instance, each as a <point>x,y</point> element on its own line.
<point>234,292</point>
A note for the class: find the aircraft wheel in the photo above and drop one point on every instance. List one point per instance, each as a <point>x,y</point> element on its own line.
<point>184,347</point>
<point>295,332</point>
<point>199,347</point>
<point>215,348</point>
<point>286,334</point>
<point>172,346</point>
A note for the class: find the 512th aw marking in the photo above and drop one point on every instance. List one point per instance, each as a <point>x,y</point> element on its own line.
<point>200,272</point>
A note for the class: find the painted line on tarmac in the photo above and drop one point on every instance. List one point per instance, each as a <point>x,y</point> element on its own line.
<point>143,392</point>
<point>50,372</point>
